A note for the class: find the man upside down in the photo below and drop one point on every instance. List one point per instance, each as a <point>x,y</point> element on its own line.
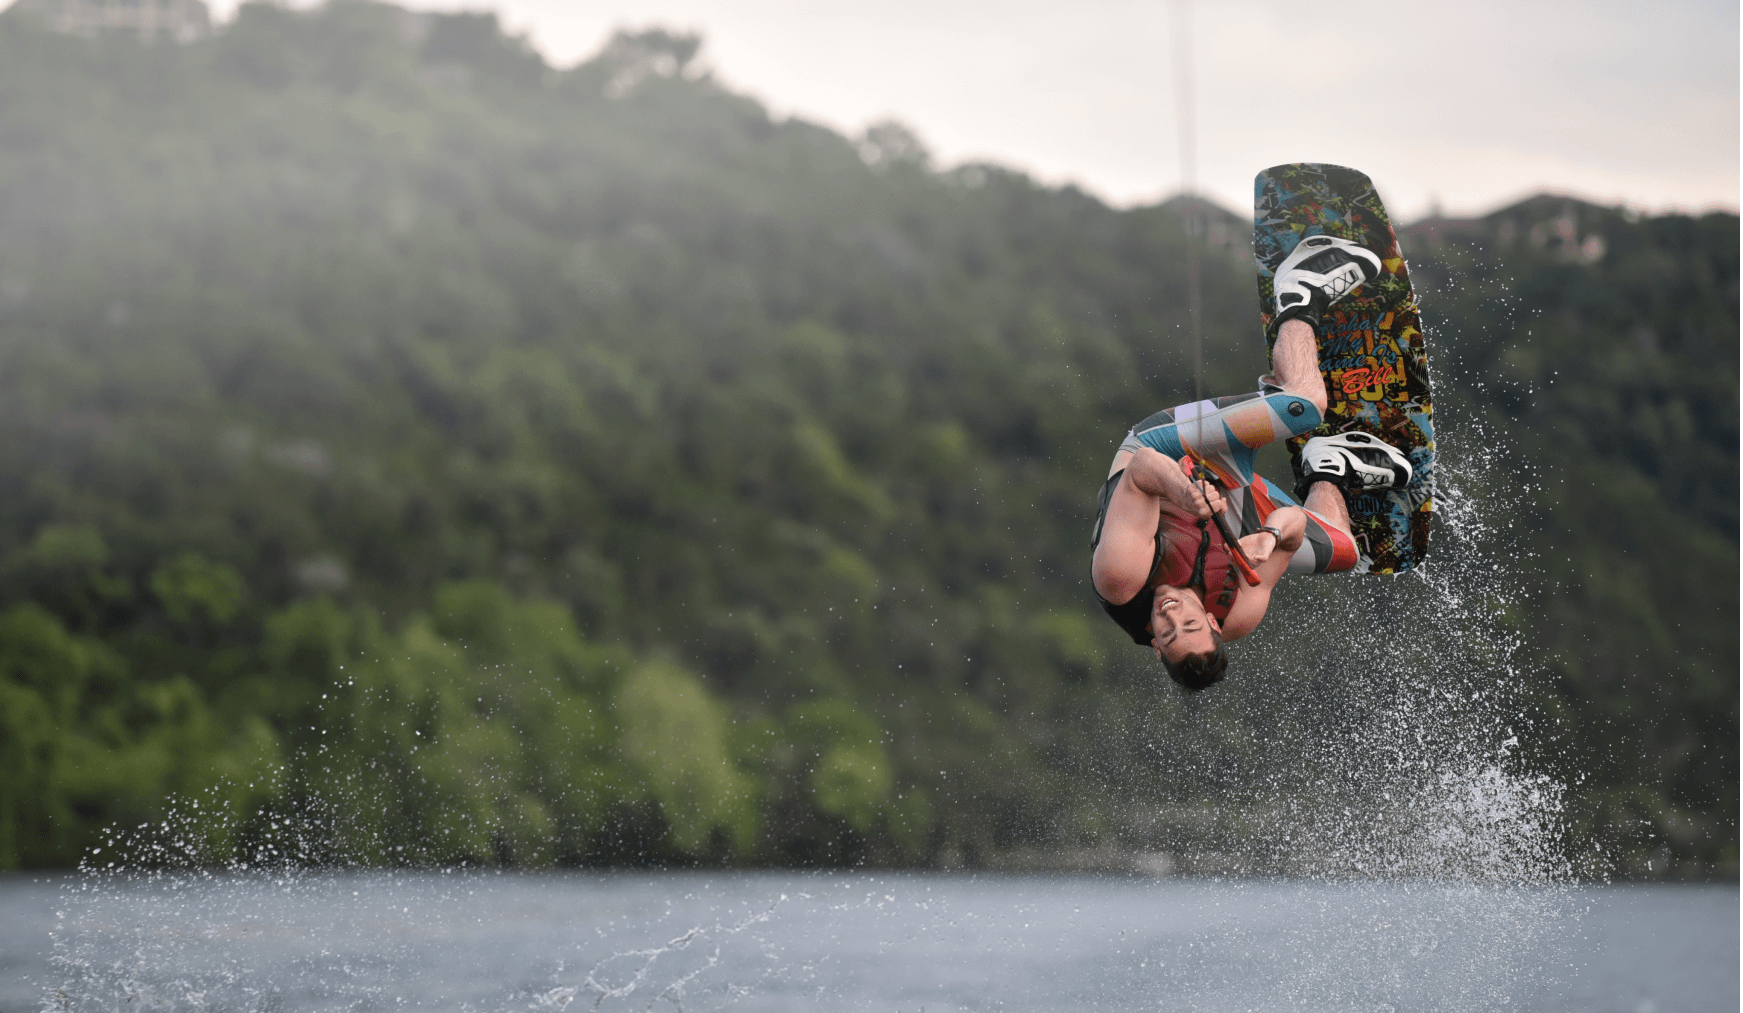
<point>1162,569</point>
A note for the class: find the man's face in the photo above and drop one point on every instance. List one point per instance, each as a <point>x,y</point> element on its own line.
<point>1179,625</point>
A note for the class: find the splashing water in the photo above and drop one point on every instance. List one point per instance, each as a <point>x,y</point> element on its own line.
<point>1375,733</point>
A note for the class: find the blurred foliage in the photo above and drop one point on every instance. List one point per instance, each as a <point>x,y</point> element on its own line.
<point>525,465</point>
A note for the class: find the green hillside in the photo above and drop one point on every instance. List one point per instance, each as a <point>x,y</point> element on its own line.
<point>522,465</point>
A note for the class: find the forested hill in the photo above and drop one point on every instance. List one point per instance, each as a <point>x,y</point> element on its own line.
<point>583,466</point>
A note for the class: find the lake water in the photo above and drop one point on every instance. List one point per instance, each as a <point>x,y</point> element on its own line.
<point>862,941</point>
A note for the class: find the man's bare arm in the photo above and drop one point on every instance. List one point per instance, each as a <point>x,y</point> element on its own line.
<point>1156,474</point>
<point>1270,555</point>
<point>1153,482</point>
<point>1272,551</point>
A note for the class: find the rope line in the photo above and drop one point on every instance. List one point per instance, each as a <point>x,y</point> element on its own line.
<point>1187,123</point>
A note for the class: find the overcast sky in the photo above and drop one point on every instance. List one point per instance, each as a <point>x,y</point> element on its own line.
<point>1470,103</point>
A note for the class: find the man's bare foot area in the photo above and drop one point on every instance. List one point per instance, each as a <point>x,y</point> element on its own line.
<point>1327,500</point>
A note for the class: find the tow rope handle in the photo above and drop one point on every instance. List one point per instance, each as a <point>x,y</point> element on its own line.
<point>1248,572</point>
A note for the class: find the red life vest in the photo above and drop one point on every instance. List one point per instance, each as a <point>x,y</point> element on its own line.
<point>1175,563</point>
<point>1180,540</point>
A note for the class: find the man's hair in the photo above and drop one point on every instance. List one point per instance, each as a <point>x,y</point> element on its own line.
<point>1198,671</point>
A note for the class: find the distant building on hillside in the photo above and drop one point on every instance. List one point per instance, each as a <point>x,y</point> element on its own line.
<point>150,20</point>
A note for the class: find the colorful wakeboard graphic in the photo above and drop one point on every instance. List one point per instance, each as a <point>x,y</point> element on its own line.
<point>1372,351</point>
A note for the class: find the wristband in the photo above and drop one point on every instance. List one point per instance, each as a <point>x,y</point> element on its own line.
<point>1274,532</point>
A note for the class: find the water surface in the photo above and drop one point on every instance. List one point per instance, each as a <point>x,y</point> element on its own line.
<point>887,942</point>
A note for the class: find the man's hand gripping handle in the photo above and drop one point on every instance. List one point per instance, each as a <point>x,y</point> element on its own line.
<point>1202,477</point>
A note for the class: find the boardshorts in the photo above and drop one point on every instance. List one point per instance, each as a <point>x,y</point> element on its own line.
<point>1226,434</point>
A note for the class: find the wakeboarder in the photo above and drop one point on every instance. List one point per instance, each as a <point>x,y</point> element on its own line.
<point>1189,542</point>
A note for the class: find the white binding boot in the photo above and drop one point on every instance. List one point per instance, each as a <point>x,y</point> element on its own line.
<point>1319,273</point>
<point>1353,461</point>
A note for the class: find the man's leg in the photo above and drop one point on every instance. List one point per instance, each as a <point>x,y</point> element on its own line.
<point>1295,363</point>
<point>1327,500</point>
<point>1227,444</point>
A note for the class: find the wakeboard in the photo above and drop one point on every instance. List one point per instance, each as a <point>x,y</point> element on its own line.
<point>1372,351</point>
